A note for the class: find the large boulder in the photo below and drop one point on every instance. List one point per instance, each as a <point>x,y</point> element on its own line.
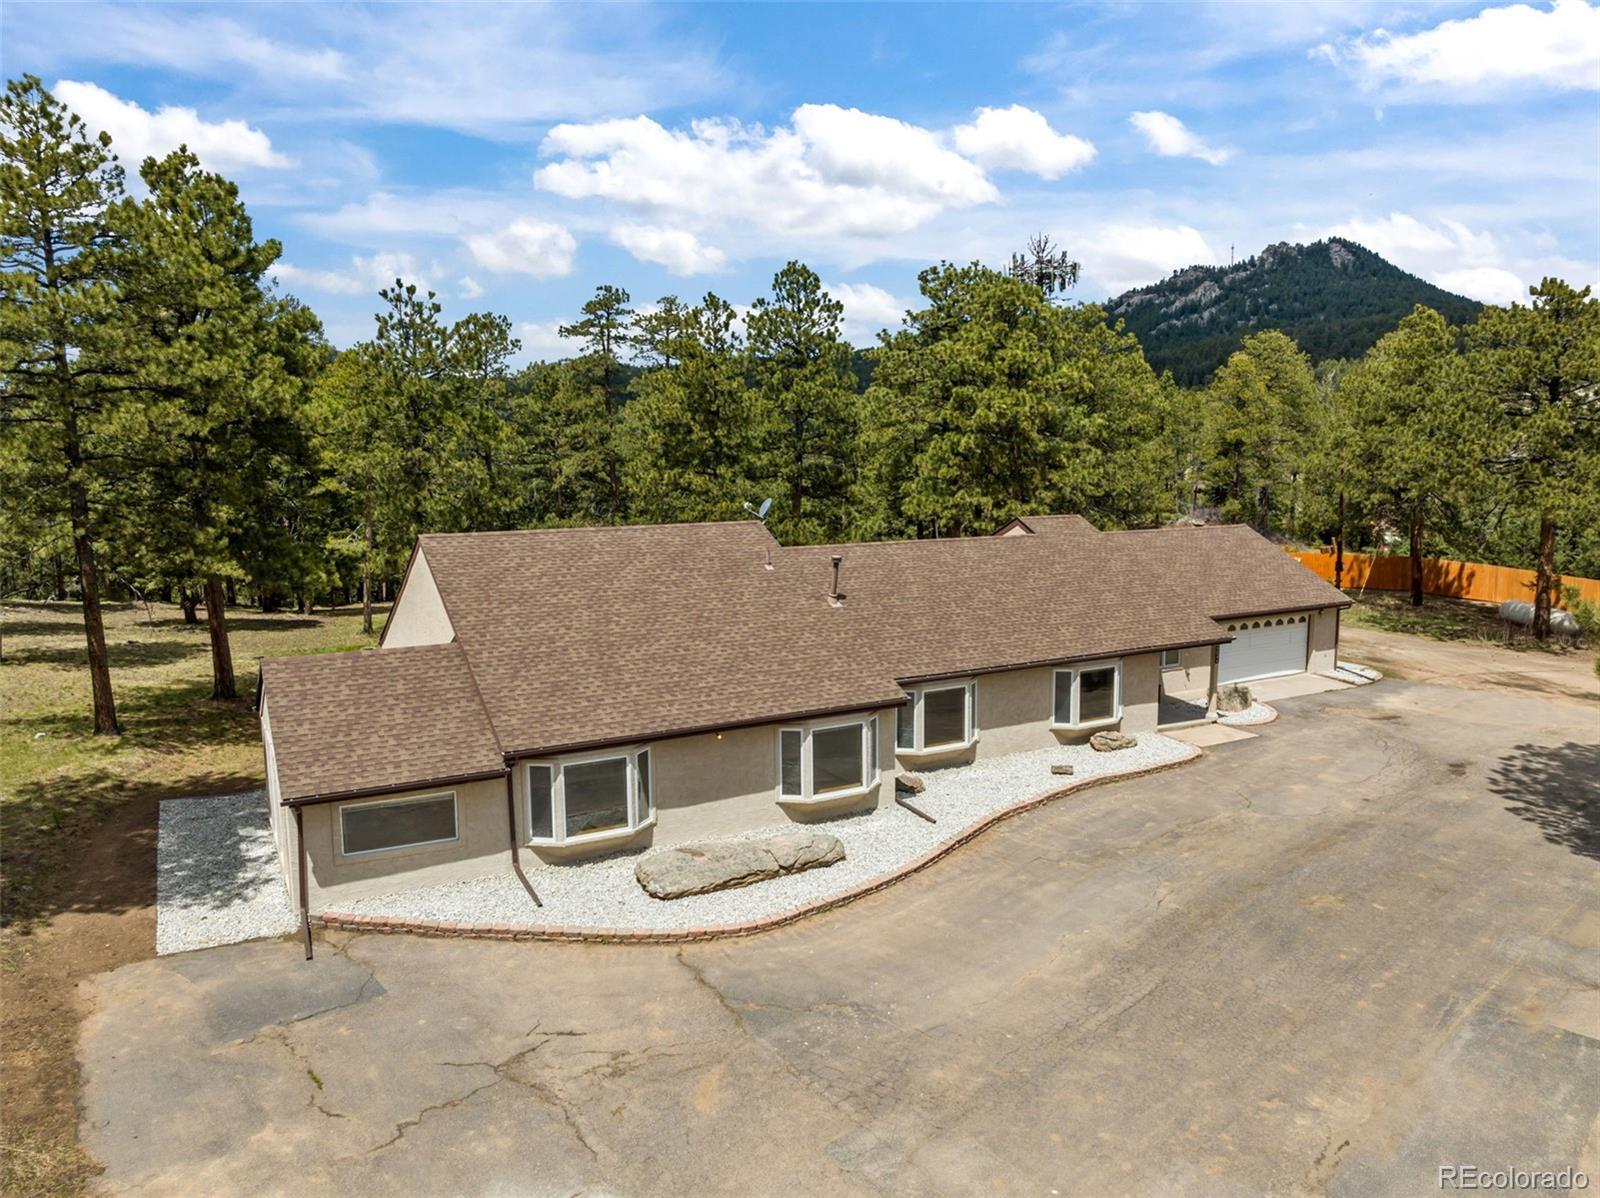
<point>1110,742</point>
<point>1234,697</point>
<point>718,865</point>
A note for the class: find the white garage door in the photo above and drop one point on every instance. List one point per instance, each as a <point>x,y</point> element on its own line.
<point>1263,648</point>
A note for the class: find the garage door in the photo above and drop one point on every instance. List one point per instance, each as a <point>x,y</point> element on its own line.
<point>1263,648</point>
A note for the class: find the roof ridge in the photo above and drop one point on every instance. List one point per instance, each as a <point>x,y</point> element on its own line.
<point>523,532</point>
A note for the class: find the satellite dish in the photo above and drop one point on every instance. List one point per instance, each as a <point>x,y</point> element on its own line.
<point>761,512</point>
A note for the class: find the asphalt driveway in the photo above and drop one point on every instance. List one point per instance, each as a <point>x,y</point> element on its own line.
<point>1327,960</point>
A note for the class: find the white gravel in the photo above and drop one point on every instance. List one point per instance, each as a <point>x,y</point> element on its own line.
<point>1257,713</point>
<point>1356,675</point>
<point>604,894</point>
<point>217,876</point>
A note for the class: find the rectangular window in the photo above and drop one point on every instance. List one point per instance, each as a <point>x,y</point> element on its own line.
<point>646,796</point>
<point>944,716</point>
<point>790,741</point>
<point>541,800</point>
<point>872,747</point>
<point>1063,697</point>
<point>1097,694</point>
<point>596,795</point>
<point>836,758</point>
<point>1171,659</point>
<point>398,824</point>
<point>905,724</point>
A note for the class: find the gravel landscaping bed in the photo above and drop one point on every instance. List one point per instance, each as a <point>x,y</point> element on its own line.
<point>217,877</point>
<point>1257,713</point>
<point>1356,675</point>
<point>604,894</point>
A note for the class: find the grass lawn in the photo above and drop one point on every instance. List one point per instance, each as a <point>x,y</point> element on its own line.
<point>78,827</point>
<point>176,740</point>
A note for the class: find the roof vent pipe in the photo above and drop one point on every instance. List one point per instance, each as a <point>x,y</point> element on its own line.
<point>838,560</point>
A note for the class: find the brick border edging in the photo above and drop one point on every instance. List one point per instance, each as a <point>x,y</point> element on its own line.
<point>337,921</point>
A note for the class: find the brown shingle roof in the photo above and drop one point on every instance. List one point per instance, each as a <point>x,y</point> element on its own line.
<point>586,636</point>
<point>1231,570</point>
<point>376,720</point>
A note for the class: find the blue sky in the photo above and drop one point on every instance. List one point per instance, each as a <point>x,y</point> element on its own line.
<point>512,157</point>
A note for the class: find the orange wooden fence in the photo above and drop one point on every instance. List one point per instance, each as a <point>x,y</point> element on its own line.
<point>1453,580</point>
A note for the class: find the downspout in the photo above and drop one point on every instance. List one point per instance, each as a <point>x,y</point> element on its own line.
<point>300,849</point>
<point>511,823</point>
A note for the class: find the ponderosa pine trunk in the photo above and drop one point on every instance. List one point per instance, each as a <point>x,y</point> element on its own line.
<point>366,584</point>
<point>1544,580</point>
<point>94,628</point>
<point>190,603</point>
<point>1416,561</point>
<point>1338,548</point>
<point>222,686</point>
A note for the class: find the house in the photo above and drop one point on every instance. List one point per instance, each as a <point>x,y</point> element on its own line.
<point>578,691</point>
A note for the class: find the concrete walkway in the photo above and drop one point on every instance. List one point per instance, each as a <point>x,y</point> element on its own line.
<point>1325,960</point>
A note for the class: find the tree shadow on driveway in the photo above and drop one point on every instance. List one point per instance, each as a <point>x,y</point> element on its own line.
<point>1556,787</point>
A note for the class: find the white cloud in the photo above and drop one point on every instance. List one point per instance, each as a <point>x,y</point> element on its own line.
<point>1171,138</point>
<point>137,133</point>
<point>832,172</point>
<point>1558,46</point>
<point>1020,139</point>
<point>1119,257</point>
<point>530,247</point>
<point>364,276</point>
<point>542,342</point>
<point>678,250</point>
<point>1450,254</point>
<point>1491,284</point>
<point>469,287</point>
<point>867,309</point>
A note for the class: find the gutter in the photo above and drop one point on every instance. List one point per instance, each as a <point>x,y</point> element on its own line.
<point>305,904</point>
<point>511,823</point>
<point>368,791</point>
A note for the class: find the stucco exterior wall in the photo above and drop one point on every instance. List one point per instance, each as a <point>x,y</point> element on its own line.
<point>1014,712</point>
<point>418,617</point>
<point>1141,692</point>
<point>1322,640</point>
<point>282,822</point>
<point>1192,674</point>
<point>481,847</point>
<point>712,785</point>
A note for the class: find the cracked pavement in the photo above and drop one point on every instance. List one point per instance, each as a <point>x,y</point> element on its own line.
<point>1323,961</point>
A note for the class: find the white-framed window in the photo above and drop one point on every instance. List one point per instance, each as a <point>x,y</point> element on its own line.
<point>599,796</point>
<point>937,717</point>
<point>385,825</point>
<point>821,762</point>
<point>1086,695</point>
<point>1171,659</point>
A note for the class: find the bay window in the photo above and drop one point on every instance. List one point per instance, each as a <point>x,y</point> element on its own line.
<point>937,717</point>
<point>821,762</point>
<point>591,798</point>
<point>1087,695</point>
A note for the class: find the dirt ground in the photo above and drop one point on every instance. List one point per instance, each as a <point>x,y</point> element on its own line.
<point>1475,665</point>
<point>78,818</point>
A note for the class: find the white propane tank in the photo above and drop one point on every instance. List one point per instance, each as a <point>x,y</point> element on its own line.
<point>1519,611</point>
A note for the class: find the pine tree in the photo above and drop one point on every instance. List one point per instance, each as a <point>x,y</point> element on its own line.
<point>804,392</point>
<point>60,334</point>
<point>1540,366</point>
